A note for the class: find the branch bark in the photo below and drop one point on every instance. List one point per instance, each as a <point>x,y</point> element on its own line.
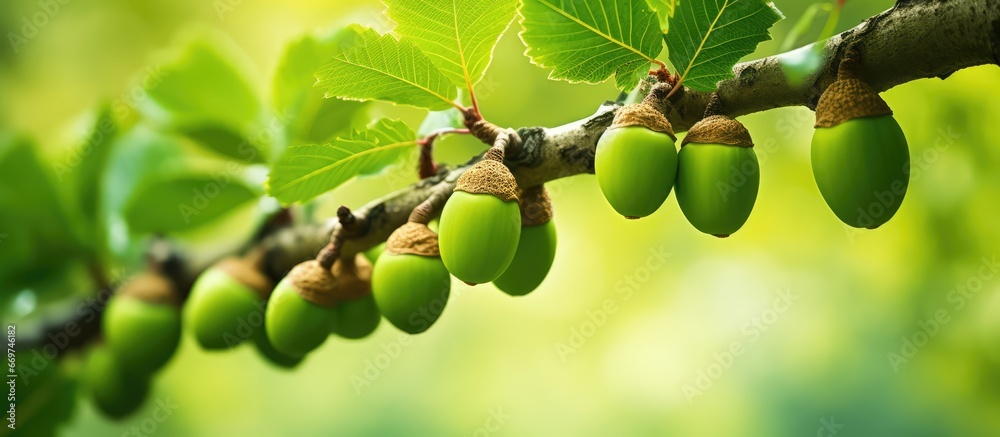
<point>913,40</point>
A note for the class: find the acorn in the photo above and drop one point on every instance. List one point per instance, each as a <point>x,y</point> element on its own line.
<point>536,249</point>
<point>717,175</point>
<point>860,157</point>
<point>115,391</point>
<point>142,324</point>
<point>636,161</point>
<point>357,314</point>
<point>301,310</point>
<point>410,283</point>
<point>226,304</point>
<point>481,222</point>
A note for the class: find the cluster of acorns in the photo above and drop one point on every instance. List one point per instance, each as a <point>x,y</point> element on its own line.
<point>490,231</point>
<point>859,158</point>
<point>493,231</point>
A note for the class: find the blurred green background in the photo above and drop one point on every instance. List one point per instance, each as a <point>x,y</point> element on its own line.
<point>631,332</point>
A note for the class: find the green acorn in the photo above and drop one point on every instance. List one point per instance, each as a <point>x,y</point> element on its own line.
<point>636,161</point>
<point>536,248</point>
<point>142,324</point>
<point>481,223</point>
<point>115,391</point>
<point>357,314</point>
<point>717,175</point>
<point>301,309</point>
<point>227,303</point>
<point>410,282</point>
<point>859,154</point>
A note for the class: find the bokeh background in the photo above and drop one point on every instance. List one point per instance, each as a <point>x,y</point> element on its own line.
<point>631,332</point>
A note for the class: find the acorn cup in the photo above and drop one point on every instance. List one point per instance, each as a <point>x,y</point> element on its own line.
<point>115,391</point>
<point>225,301</point>
<point>301,310</point>
<point>859,154</point>
<point>142,323</point>
<point>410,283</point>
<point>481,222</point>
<point>717,174</point>
<point>536,249</point>
<point>636,160</point>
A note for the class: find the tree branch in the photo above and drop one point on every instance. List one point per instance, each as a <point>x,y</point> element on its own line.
<point>913,40</point>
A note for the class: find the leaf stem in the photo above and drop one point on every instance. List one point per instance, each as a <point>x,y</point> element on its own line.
<point>427,167</point>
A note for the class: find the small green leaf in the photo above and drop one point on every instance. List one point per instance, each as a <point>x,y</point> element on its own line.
<point>591,40</point>
<point>307,171</point>
<point>708,37</point>
<point>381,67</point>
<point>184,202</point>
<point>457,35</point>
<point>201,88</point>
<point>308,117</point>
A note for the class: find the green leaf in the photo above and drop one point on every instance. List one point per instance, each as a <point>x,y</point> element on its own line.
<point>381,67</point>
<point>225,141</point>
<point>201,89</point>
<point>708,37</point>
<point>458,35</point>
<point>664,11</point>
<point>308,117</point>
<point>90,157</point>
<point>591,40</point>
<point>307,171</point>
<point>184,202</point>
<point>36,232</point>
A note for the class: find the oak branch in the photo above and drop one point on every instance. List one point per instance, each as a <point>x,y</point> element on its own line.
<point>913,40</point>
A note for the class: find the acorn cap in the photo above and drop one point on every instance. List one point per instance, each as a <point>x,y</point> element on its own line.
<point>489,176</point>
<point>314,283</point>
<point>243,271</point>
<point>718,129</point>
<point>413,239</point>
<point>151,287</point>
<point>849,97</point>
<point>643,115</point>
<point>353,278</point>
<point>535,205</point>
